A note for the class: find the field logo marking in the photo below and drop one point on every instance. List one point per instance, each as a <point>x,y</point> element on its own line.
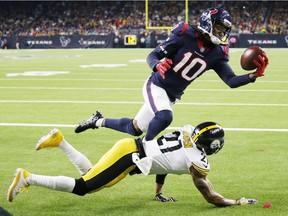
<point>37,73</point>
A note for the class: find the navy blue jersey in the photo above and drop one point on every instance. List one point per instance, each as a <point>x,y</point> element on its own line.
<point>190,60</point>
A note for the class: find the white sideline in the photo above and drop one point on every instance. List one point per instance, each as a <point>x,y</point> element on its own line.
<point>169,128</point>
<point>136,102</point>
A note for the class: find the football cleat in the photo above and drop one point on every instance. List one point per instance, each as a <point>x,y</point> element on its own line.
<point>89,123</point>
<point>53,139</point>
<point>161,198</point>
<point>19,184</point>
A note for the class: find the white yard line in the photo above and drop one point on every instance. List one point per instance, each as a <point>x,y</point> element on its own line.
<point>136,102</point>
<point>139,89</point>
<point>120,80</point>
<point>169,128</point>
<point>248,129</point>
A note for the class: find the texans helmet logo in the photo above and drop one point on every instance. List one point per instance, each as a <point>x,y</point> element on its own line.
<point>214,11</point>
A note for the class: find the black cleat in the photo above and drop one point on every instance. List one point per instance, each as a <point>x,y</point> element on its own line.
<point>89,123</point>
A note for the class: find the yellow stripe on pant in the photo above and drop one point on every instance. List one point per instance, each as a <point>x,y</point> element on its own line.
<point>112,167</point>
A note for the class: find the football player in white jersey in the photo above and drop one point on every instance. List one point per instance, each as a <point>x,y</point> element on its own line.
<point>181,152</point>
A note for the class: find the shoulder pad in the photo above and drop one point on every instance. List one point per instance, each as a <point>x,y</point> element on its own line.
<point>187,128</point>
<point>180,28</point>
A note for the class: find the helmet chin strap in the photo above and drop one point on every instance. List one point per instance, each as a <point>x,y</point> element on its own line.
<point>215,40</point>
<point>203,150</point>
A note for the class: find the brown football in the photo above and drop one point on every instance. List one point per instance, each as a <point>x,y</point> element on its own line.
<point>248,56</point>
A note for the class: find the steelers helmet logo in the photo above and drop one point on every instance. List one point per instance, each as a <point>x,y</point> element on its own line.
<point>215,144</point>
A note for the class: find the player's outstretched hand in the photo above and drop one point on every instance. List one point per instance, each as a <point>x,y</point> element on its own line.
<point>161,198</point>
<point>245,201</point>
<point>163,66</point>
<point>263,59</point>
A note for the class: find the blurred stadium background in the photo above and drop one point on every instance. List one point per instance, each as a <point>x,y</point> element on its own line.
<point>141,23</point>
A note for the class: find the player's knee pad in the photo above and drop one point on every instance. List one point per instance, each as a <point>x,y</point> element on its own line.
<point>166,116</point>
<point>80,187</point>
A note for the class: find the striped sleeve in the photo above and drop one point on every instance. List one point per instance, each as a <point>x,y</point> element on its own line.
<point>203,171</point>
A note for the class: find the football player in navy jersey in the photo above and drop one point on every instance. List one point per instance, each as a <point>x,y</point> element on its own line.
<point>183,151</point>
<point>188,52</point>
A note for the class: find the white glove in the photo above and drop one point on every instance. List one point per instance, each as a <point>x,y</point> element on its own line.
<point>245,201</point>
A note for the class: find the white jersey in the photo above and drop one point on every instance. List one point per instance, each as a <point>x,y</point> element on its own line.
<point>173,153</point>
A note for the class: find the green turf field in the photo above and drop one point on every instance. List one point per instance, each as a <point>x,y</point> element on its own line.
<point>42,89</point>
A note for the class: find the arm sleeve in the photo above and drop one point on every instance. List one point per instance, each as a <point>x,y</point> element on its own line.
<point>226,73</point>
<point>168,47</point>
<point>153,58</point>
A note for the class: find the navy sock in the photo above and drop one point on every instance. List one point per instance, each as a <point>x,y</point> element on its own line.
<point>159,123</point>
<point>123,125</point>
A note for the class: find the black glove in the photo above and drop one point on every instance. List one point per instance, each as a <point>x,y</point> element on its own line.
<point>161,198</point>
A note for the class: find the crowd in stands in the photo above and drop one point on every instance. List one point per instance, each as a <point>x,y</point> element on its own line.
<point>35,18</point>
<point>278,21</point>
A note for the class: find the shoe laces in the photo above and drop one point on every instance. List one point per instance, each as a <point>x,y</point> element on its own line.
<point>88,121</point>
<point>91,120</point>
<point>23,189</point>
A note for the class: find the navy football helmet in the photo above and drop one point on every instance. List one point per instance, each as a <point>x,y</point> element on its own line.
<point>211,18</point>
<point>208,137</point>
